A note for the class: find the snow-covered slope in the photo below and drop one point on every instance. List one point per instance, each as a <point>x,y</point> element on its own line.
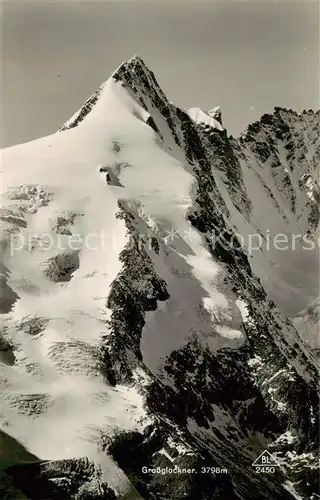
<point>207,120</point>
<point>135,327</point>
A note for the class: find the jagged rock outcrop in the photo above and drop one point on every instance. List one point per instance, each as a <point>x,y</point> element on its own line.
<point>60,480</point>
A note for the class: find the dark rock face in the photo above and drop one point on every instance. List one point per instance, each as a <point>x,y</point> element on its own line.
<point>135,291</point>
<point>134,451</point>
<point>7,295</point>
<point>63,223</point>
<point>84,111</point>
<point>13,217</point>
<point>150,121</point>
<point>289,143</point>
<point>6,352</point>
<point>61,267</point>
<point>60,480</point>
<point>33,325</point>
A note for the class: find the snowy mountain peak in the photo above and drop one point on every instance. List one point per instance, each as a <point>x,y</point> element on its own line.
<point>216,113</point>
<point>134,61</point>
<point>137,325</point>
<point>140,85</point>
<point>210,119</point>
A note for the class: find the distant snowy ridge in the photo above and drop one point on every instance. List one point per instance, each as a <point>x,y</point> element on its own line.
<point>199,116</point>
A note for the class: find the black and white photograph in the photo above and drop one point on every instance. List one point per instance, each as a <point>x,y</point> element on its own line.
<point>159,238</point>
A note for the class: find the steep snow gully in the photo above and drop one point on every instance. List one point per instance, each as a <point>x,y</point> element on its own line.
<point>151,316</point>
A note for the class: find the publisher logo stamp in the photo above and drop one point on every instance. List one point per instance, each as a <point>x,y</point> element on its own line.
<point>265,463</point>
